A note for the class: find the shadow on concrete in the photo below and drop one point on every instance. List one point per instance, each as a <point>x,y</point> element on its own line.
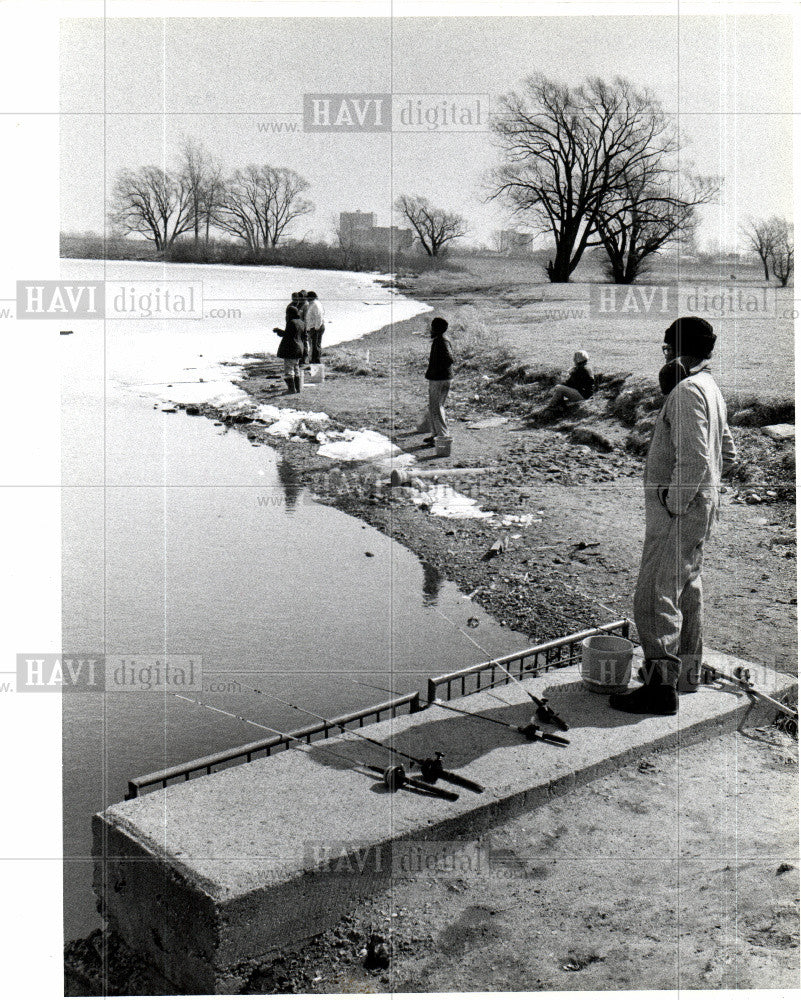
<point>463,739</point>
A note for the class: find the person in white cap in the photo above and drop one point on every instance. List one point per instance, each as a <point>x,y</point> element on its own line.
<point>579,384</point>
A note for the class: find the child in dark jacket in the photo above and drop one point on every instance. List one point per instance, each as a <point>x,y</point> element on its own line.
<point>290,350</point>
<point>579,385</point>
<point>439,375</point>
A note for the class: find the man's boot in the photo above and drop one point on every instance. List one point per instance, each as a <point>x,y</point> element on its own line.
<point>298,383</point>
<point>658,694</point>
<point>690,674</point>
<point>290,385</point>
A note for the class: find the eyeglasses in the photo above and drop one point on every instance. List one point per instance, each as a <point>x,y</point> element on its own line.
<point>667,349</point>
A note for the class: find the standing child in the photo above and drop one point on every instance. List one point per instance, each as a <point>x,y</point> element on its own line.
<point>439,375</point>
<point>290,350</point>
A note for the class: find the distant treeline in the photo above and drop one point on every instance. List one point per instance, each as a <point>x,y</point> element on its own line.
<point>301,254</point>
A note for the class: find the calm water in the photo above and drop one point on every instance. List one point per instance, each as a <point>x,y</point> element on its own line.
<point>179,536</point>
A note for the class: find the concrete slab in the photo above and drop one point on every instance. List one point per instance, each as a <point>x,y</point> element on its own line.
<point>207,878</point>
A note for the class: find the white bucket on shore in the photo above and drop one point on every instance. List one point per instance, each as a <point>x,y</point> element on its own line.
<point>606,663</point>
<point>442,446</point>
<point>315,375</point>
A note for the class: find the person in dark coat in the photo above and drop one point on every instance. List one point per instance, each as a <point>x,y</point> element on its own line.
<point>578,386</point>
<point>439,375</point>
<point>290,350</point>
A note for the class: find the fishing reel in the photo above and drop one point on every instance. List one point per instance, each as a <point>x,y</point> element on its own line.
<point>395,777</point>
<point>533,732</point>
<point>431,768</point>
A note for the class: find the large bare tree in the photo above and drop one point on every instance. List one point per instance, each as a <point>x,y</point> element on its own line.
<point>565,150</point>
<point>653,207</point>
<point>435,227</point>
<point>758,236</point>
<point>260,202</point>
<point>153,203</point>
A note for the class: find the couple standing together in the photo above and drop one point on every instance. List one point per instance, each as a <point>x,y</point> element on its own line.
<point>301,337</point>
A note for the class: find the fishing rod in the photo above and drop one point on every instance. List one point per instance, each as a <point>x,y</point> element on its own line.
<point>430,767</point>
<point>544,711</point>
<point>531,731</point>
<point>393,777</point>
<point>742,678</point>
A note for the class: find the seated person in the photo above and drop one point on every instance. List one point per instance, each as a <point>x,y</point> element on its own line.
<point>578,386</point>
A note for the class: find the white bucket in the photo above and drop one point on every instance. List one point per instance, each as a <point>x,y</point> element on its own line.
<point>606,663</point>
<point>315,375</point>
<point>442,446</point>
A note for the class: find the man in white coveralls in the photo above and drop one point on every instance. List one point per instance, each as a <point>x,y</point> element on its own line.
<point>690,451</point>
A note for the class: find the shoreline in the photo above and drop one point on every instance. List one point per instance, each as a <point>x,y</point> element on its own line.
<point>547,474</point>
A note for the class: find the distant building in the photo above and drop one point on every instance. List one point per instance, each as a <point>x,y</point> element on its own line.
<point>352,225</point>
<point>512,241</point>
<point>359,229</point>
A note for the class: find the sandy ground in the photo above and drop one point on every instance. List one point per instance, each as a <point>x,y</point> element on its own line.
<point>679,871</point>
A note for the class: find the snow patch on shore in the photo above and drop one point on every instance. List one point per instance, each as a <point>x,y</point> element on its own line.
<point>359,446</point>
<point>286,423</point>
<point>445,501</point>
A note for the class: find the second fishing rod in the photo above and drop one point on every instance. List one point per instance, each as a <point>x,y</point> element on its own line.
<point>431,768</point>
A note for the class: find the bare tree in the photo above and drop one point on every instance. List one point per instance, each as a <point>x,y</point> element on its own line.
<point>759,235</point>
<point>783,252</point>
<point>566,149</point>
<point>202,177</point>
<point>650,209</point>
<point>240,205</point>
<point>153,203</point>
<point>285,203</point>
<point>435,227</point>
<point>259,203</point>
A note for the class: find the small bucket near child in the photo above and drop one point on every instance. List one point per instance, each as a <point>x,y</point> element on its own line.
<point>442,446</point>
<point>315,374</point>
<point>606,663</point>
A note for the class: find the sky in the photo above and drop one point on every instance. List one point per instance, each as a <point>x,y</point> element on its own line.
<point>131,88</point>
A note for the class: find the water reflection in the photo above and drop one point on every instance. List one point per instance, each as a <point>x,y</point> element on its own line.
<point>432,584</point>
<point>288,478</point>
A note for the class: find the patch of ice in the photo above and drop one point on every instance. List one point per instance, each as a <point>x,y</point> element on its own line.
<point>286,423</point>
<point>359,446</point>
<point>444,501</point>
<point>523,520</point>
